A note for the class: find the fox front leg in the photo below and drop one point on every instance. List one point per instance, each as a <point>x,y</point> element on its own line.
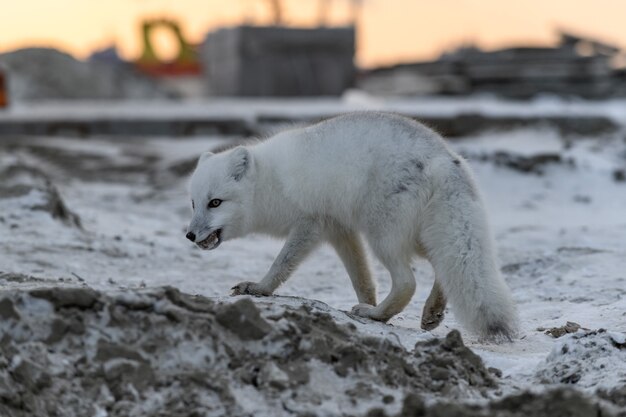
<point>301,240</point>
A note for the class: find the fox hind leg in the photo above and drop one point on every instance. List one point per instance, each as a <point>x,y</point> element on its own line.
<point>433,312</point>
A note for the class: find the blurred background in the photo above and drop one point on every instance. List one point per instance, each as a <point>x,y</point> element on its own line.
<point>154,49</point>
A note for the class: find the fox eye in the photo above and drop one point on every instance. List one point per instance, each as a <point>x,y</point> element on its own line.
<point>193,206</point>
<point>214,203</point>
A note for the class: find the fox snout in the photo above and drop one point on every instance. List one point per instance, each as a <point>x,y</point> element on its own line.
<point>191,236</point>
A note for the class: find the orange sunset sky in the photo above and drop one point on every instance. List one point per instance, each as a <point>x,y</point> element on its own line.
<point>390,31</point>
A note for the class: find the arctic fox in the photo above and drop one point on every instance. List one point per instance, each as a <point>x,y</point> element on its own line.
<point>380,176</point>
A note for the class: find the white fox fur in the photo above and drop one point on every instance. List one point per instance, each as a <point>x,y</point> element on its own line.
<point>379,176</point>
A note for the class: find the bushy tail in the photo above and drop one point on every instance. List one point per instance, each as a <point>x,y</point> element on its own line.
<point>459,244</point>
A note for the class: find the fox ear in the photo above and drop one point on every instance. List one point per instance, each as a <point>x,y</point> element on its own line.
<point>239,162</point>
<point>205,155</point>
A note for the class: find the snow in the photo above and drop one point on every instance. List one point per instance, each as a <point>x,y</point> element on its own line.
<point>560,237</point>
<point>251,109</point>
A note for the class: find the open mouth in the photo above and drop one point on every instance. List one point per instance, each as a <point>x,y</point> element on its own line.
<point>212,241</point>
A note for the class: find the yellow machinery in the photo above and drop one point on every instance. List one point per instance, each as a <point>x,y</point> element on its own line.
<point>185,63</point>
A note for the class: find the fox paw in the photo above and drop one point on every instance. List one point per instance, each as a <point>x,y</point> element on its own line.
<point>367,311</point>
<point>432,319</point>
<point>249,288</point>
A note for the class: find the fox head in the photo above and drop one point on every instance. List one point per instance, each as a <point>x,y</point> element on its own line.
<point>221,196</point>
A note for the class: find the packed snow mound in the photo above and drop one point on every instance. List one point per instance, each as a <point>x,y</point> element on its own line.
<point>585,359</point>
<point>74,351</point>
<point>556,402</point>
<point>24,189</point>
<point>48,74</point>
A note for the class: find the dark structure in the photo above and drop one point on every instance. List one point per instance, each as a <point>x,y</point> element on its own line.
<point>279,61</point>
<point>4,99</point>
<point>577,67</point>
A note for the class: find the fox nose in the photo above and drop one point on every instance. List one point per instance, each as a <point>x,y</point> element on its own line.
<point>191,236</point>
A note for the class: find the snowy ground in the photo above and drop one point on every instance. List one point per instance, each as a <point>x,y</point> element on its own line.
<point>561,234</point>
<point>251,109</point>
